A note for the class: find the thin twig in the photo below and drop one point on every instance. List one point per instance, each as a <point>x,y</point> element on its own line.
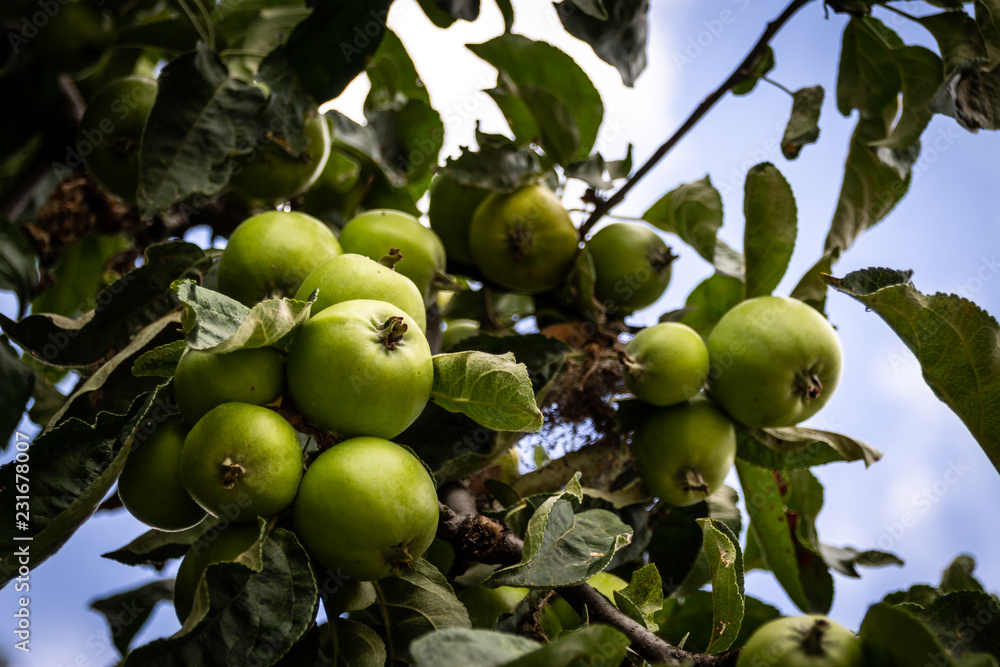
<point>777,85</point>
<point>484,540</point>
<point>739,74</point>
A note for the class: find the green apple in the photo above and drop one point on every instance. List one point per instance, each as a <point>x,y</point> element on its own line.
<point>684,452</point>
<point>485,605</point>
<point>204,379</point>
<point>212,547</point>
<point>150,485</point>
<point>457,330</point>
<point>360,367</point>
<point>666,364</point>
<point>111,130</point>
<point>366,508</point>
<point>604,582</point>
<point>350,276</point>
<point>271,253</point>
<point>341,186</point>
<point>274,173</point>
<point>74,38</point>
<point>631,266</point>
<point>242,461</point>
<point>775,361</point>
<point>450,212</point>
<point>802,641</point>
<point>524,241</point>
<point>374,233</point>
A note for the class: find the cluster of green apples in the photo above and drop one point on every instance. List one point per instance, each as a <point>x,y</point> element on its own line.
<point>769,362</point>
<point>359,368</point>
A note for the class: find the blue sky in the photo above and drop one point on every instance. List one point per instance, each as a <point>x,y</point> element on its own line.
<point>946,230</point>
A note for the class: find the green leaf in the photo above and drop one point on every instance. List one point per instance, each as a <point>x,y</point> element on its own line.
<point>562,548</point>
<point>232,630</point>
<point>546,68</point>
<point>459,647</point>
<point>693,211</point>
<point>922,77</point>
<point>66,484</point>
<point>760,67</point>
<point>803,124</point>
<point>769,523</point>
<point>599,173</point>
<point>17,386</point>
<point>591,646</point>
<point>689,618</point>
<point>200,119</point>
<point>643,596</point>
<point>414,603</point>
<point>173,35</point>
<point>868,79</point>
<point>542,356</point>
<point>725,560</point>
<point>988,20</point>
<point>794,447</point>
<point>871,187</point>
<point>355,644</point>
<point>882,628</point>
<point>769,235</point>
<point>975,100</point>
<point>438,17</point>
<point>710,300</point>
<point>498,167</point>
<point>341,595</point>
<point>80,275</point>
<point>846,560</point>
<point>494,390</point>
<point>17,264</point>
<point>156,547</point>
<point>964,621</point>
<point>161,361</point>
<point>811,289</point>
<point>124,308</point>
<point>958,38</point>
<point>958,576</point>
<point>954,340</point>
<point>127,612</point>
<point>618,37</point>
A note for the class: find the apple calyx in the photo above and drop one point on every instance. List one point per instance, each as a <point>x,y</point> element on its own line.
<point>520,242</point>
<point>232,472</point>
<point>390,259</point>
<point>399,557</point>
<point>812,641</point>
<point>660,259</point>
<point>390,334</point>
<point>692,480</point>
<point>808,385</point>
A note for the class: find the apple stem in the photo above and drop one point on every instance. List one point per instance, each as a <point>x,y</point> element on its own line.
<point>391,332</point>
<point>692,480</point>
<point>812,641</point>
<point>390,259</point>
<point>809,385</point>
<point>231,473</point>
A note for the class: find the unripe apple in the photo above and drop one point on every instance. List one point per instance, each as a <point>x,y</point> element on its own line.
<point>631,266</point>
<point>684,452</point>
<point>450,212</point>
<point>350,276</point>
<point>524,241</point>
<point>366,508</point>
<point>360,367</point>
<point>271,253</point>
<point>802,641</point>
<point>150,485</point>
<point>213,547</point>
<point>666,364</point>
<point>775,361</point>
<point>242,461</point>
<point>204,379</point>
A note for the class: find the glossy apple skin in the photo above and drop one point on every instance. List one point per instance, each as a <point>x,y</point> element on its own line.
<point>150,485</point>
<point>450,212</point>
<point>343,378</point>
<point>273,174</point>
<point>694,436</point>
<point>524,241</point>
<point>111,131</point>
<point>787,642</point>
<point>351,276</point>
<point>204,380</point>
<point>631,265</point>
<point>271,253</point>
<point>373,233</point>
<point>766,352</point>
<point>366,508</point>
<point>242,461</point>
<point>666,364</point>
<point>213,547</point>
